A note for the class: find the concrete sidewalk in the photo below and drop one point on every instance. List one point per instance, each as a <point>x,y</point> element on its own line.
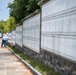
<point>10,65</point>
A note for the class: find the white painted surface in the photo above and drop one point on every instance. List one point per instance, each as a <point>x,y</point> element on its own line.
<point>19,35</point>
<point>31,33</point>
<point>10,36</point>
<point>59,27</point>
<point>13,37</point>
<point>0,34</point>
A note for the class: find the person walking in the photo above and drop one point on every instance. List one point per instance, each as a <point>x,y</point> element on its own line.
<point>5,38</point>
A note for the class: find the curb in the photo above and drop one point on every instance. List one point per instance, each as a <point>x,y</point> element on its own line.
<point>35,72</point>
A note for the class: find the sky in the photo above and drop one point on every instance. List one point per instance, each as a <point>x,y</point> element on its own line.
<point>4,11</point>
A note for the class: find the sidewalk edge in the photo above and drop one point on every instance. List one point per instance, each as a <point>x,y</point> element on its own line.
<point>35,72</point>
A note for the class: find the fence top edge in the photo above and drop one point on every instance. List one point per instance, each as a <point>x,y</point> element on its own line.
<point>42,2</point>
<point>31,15</point>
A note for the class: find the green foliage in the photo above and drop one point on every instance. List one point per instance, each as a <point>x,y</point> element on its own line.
<point>18,9</point>
<point>21,8</point>
<point>7,26</point>
<point>2,24</point>
<point>10,24</point>
<point>32,6</point>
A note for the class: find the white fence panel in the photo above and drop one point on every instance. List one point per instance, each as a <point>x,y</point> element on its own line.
<point>10,36</point>
<point>59,27</point>
<point>19,35</point>
<point>31,33</point>
<point>13,37</point>
<point>0,34</point>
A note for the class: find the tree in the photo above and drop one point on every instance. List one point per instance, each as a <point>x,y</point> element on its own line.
<point>32,6</point>
<point>10,24</point>
<point>2,24</point>
<point>18,9</point>
<point>21,8</point>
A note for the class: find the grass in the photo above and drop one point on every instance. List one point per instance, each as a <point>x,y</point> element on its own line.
<point>38,65</point>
